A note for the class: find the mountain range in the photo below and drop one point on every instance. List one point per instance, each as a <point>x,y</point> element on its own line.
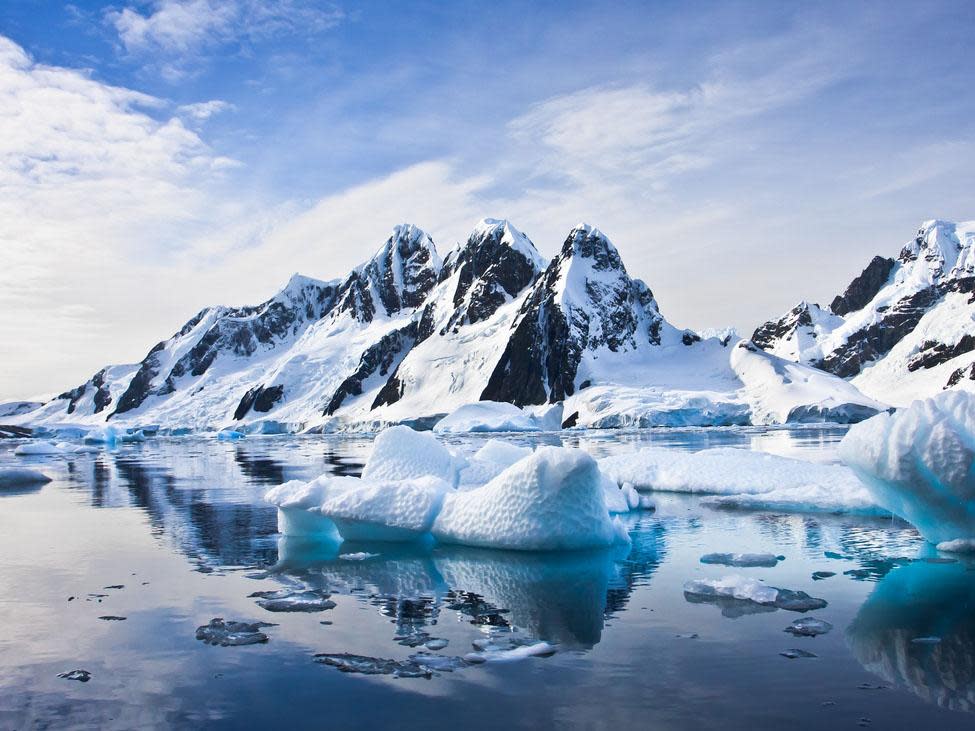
<point>409,336</point>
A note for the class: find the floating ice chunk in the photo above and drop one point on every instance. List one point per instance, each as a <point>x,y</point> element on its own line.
<point>230,435</point>
<point>926,641</point>
<point>919,463</point>
<point>349,663</point>
<point>37,448</point>
<point>495,416</point>
<point>742,589</point>
<point>820,575</point>
<point>231,634</point>
<point>358,556</point>
<point>106,436</point>
<point>399,453</point>
<point>743,560</point>
<point>298,506</point>
<point>508,650</point>
<point>19,477</point>
<point>436,643</point>
<point>397,510</point>
<point>138,436</point>
<point>440,663</point>
<point>293,601</point>
<point>749,479</point>
<point>82,676</point>
<point>808,627</point>
<point>550,500</point>
<point>733,587</point>
<point>796,653</point>
<point>962,545</point>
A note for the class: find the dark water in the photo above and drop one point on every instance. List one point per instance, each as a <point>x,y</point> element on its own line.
<point>180,525</point>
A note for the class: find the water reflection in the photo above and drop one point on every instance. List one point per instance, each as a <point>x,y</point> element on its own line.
<point>922,601</point>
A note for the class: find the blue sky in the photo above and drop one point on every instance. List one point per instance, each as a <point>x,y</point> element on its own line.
<point>165,155</point>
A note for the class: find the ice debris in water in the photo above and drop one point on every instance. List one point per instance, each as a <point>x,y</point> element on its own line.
<point>358,556</point>
<point>15,477</point>
<point>82,676</point>
<point>926,641</point>
<point>919,463</point>
<point>293,601</point>
<point>742,589</point>
<point>796,653</point>
<point>436,644</point>
<point>743,560</point>
<point>232,634</point>
<point>440,663</point>
<point>37,448</point>
<point>820,575</point>
<point>508,649</point>
<point>230,435</point>
<point>366,665</point>
<point>808,627</point>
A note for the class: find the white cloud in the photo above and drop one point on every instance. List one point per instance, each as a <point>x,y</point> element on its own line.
<point>202,111</point>
<point>176,32</point>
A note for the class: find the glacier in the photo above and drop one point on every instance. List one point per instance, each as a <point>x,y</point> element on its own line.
<point>919,463</point>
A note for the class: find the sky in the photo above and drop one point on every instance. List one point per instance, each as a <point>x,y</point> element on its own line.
<point>159,156</point>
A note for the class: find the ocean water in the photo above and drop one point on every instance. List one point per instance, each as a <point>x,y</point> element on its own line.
<point>172,533</point>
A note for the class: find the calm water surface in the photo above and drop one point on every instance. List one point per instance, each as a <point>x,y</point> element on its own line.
<point>180,526</point>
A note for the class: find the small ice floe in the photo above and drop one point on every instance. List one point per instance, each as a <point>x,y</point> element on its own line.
<point>917,463</point>
<point>230,435</point>
<point>293,601</point>
<point>808,627</point>
<point>359,556</point>
<point>134,437</point>
<point>440,663</point>
<point>960,545</point>
<point>508,649</point>
<point>18,477</point>
<point>796,653</point>
<point>38,448</point>
<point>742,589</point>
<point>436,644</point>
<point>687,636</point>
<point>820,575</point>
<point>112,618</point>
<point>232,634</point>
<point>82,676</point>
<point>744,479</point>
<point>743,560</point>
<point>926,641</point>
<point>366,665</point>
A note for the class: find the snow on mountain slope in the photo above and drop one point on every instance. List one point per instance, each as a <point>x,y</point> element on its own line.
<point>407,338</point>
<point>461,330</point>
<point>903,329</point>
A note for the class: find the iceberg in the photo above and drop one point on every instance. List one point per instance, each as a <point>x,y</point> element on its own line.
<point>14,478</point>
<point>38,448</point>
<point>490,461</point>
<point>394,510</point>
<point>497,416</point>
<point>298,506</point>
<point>551,500</point>
<point>744,479</point>
<point>919,463</point>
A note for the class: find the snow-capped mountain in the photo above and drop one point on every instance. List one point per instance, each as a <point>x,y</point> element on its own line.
<point>407,337</point>
<point>903,329</point>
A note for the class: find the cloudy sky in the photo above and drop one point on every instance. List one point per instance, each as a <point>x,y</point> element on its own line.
<point>158,156</point>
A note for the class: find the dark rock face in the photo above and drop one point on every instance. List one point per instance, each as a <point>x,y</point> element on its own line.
<point>259,398</point>
<point>542,357</point>
<point>401,275</point>
<point>959,374</point>
<point>933,353</point>
<point>870,343</point>
<point>235,331</point>
<point>379,358</point>
<point>101,399</point>
<point>491,272</point>
<point>864,288</point>
<point>765,336</point>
